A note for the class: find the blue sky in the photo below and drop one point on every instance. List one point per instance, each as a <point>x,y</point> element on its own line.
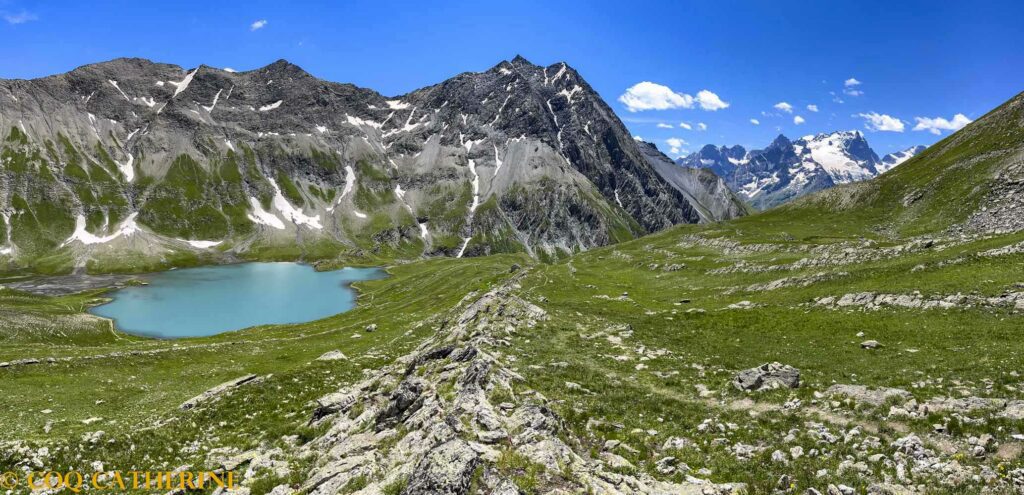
<point>909,60</point>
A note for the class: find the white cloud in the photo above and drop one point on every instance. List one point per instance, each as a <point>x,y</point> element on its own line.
<point>637,138</point>
<point>798,120</point>
<point>686,126</point>
<point>813,108</point>
<point>652,96</point>
<point>710,101</point>
<point>260,24</point>
<point>675,145</point>
<point>647,95</point>
<point>851,82</point>
<point>664,125</point>
<point>702,126</point>
<point>785,107</point>
<point>20,18</point>
<point>755,121</point>
<point>835,97</point>
<point>939,124</point>
<point>852,92</point>
<point>881,122</point>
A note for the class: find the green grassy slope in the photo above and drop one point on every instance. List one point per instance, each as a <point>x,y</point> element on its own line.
<point>649,332</point>
<point>931,192</point>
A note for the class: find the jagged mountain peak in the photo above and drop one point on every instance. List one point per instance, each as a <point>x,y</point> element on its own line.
<point>780,141</point>
<point>282,69</point>
<point>891,160</point>
<point>841,135</point>
<point>520,60</point>
<point>788,169</point>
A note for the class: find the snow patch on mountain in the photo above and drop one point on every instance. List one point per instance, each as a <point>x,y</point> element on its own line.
<point>271,106</point>
<point>891,160</point>
<point>290,212</point>
<point>263,217</point>
<point>127,228</point>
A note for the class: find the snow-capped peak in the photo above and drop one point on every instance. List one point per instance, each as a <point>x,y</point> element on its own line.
<point>844,155</point>
<point>891,160</point>
<point>787,169</point>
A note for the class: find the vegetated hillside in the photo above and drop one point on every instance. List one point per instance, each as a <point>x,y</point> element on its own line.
<point>130,164</point>
<point>970,182</point>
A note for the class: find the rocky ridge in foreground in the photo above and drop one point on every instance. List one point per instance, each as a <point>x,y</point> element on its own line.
<point>445,417</point>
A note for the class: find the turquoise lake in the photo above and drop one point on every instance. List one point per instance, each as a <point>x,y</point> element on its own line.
<point>195,302</point>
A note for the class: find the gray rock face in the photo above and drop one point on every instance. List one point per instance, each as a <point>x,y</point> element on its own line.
<point>789,169</point>
<point>445,470</point>
<point>768,376</point>
<point>131,155</point>
<point>707,192</point>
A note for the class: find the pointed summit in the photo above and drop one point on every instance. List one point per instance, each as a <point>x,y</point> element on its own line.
<point>781,141</point>
<point>521,60</point>
<point>285,68</point>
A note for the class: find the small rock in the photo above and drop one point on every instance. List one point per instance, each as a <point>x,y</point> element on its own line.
<point>666,465</point>
<point>616,461</point>
<point>768,376</point>
<point>334,355</point>
<point>491,436</point>
<point>870,344</point>
<point>577,387</point>
<point>677,443</point>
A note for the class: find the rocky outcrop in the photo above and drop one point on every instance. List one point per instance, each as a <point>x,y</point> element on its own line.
<point>767,376</point>
<point>450,415</point>
<point>872,301</point>
<point>218,391</point>
<point>873,396</point>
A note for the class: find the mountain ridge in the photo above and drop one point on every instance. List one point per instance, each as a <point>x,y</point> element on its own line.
<point>787,169</point>
<point>277,159</point>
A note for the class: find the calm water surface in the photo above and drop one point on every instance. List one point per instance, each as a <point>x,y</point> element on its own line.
<point>202,301</point>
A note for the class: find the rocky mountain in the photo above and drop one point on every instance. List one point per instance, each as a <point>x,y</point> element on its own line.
<point>892,159</point>
<point>702,187</point>
<point>131,156</point>
<point>788,169</point>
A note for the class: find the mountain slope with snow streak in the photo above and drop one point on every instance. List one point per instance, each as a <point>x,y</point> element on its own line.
<point>519,157</point>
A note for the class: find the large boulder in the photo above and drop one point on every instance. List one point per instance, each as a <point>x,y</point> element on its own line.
<point>767,376</point>
<point>445,470</point>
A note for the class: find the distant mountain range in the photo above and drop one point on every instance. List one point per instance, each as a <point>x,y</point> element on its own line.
<point>166,164</point>
<point>789,169</point>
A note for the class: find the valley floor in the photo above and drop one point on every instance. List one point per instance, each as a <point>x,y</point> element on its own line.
<point>634,350</point>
